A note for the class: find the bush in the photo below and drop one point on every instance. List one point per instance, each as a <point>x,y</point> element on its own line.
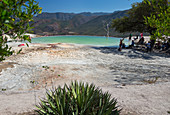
<point>77,99</point>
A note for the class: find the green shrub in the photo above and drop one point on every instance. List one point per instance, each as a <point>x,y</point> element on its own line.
<point>77,99</point>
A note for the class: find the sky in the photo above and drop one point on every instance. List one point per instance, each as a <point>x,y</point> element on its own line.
<point>77,6</point>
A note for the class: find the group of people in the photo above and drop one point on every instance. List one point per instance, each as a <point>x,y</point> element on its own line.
<point>131,42</point>
<point>161,45</point>
<point>165,45</point>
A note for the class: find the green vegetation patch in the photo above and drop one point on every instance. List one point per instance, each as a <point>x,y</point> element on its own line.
<point>77,99</point>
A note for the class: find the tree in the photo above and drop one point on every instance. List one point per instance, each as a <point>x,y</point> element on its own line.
<point>15,18</point>
<point>135,21</point>
<point>160,21</point>
<point>121,24</point>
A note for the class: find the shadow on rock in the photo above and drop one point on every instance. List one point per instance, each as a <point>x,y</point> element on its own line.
<point>131,53</point>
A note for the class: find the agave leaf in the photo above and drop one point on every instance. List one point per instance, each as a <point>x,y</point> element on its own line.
<point>57,102</point>
<point>90,100</point>
<point>83,93</point>
<point>109,110</point>
<point>43,103</point>
<point>67,89</point>
<point>100,104</point>
<point>52,105</point>
<point>64,98</point>
<point>78,96</point>
<point>73,92</point>
<point>62,111</point>
<point>46,106</point>
<point>87,86</point>
<point>40,110</point>
<point>86,93</point>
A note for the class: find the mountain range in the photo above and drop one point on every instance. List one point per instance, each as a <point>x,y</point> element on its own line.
<point>85,23</point>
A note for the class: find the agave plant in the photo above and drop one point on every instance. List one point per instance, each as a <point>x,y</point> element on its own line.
<point>77,99</point>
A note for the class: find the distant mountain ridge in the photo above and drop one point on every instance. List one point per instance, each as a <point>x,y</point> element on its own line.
<point>85,23</point>
<point>66,16</point>
<point>58,16</point>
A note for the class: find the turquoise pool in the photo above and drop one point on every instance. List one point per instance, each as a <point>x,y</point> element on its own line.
<point>87,40</point>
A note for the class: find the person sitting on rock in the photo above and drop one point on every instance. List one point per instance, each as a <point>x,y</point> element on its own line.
<point>120,45</point>
<point>141,41</point>
<point>148,45</point>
